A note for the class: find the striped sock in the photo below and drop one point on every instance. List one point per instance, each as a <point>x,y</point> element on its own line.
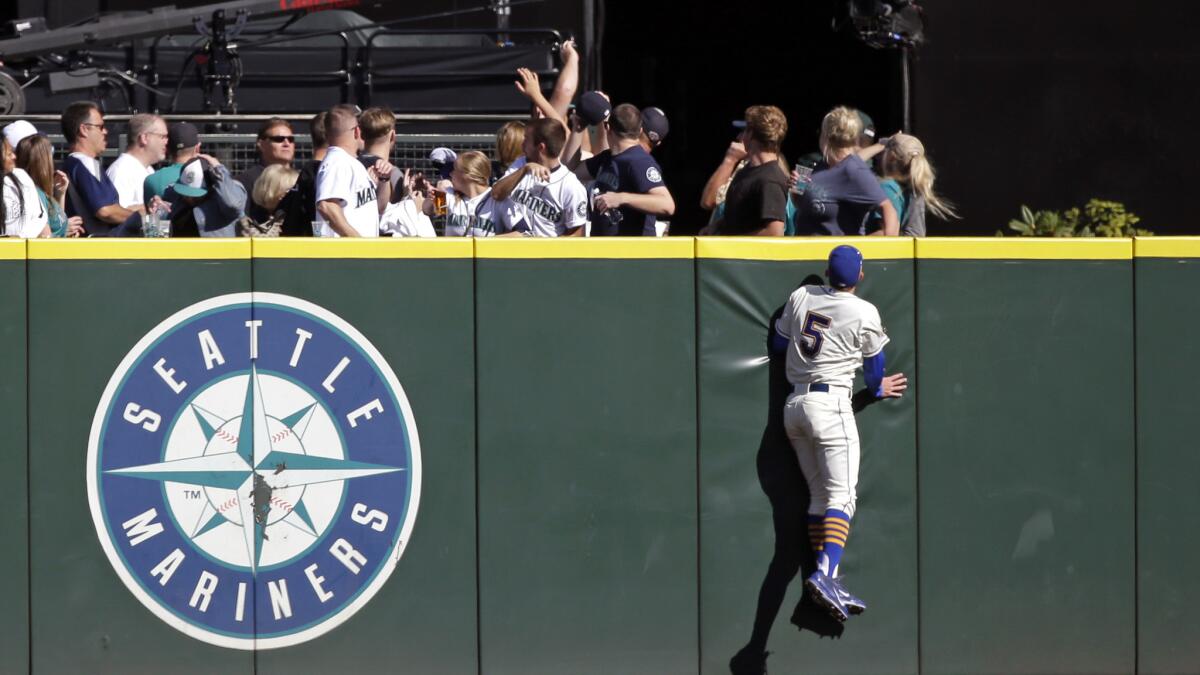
<point>816,531</point>
<point>837,529</point>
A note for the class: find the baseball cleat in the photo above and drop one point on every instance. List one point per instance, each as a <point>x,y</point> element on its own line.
<point>824,591</point>
<point>748,662</point>
<point>853,604</point>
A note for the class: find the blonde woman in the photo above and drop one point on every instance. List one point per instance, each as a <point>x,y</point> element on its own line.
<point>908,178</point>
<point>509,153</point>
<point>843,192</point>
<point>470,209</point>
<point>274,192</point>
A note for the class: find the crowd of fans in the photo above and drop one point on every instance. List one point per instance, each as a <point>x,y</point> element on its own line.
<point>572,170</point>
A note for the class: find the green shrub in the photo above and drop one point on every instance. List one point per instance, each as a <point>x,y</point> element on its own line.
<point>1098,218</point>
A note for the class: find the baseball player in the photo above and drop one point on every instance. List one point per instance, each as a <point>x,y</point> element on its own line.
<point>828,332</point>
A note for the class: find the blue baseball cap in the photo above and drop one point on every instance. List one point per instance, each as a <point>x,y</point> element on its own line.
<point>845,266</point>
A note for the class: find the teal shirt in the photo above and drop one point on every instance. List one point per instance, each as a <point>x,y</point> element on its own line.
<point>54,215</point>
<point>899,199</point>
<point>157,183</point>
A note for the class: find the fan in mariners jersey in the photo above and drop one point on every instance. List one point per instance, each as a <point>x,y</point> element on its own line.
<point>542,198</point>
<point>348,202</point>
<point>470,209</point>
<point>827,332</point>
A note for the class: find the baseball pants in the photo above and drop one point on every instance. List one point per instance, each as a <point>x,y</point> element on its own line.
<point>821,428</point>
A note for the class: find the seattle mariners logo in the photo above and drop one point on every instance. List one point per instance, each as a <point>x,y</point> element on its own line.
<point>254,471</point>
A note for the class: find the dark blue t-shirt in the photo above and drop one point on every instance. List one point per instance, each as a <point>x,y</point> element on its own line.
<point>95,194</point>
<point>635,171</point>
<point>839,199</point>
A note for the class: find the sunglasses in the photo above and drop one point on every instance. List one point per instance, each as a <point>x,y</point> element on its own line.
<point>100,126</point>
<point>281,139</point>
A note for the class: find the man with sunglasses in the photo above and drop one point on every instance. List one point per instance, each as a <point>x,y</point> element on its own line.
<point>92,195</point>
<point>276,145</point>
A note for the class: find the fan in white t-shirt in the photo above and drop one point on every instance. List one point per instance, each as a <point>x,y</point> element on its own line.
<point>348,203</point>
<point>147,146</point>
<point>542,198</point>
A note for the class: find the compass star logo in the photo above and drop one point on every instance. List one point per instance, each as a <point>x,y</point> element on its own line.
<point>254,471</point>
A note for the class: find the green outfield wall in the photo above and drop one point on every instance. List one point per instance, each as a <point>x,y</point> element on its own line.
<point>567,457</point>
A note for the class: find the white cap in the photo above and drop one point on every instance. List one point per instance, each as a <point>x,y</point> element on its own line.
<point>13,133</point>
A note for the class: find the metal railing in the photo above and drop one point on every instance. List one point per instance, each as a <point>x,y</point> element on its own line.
<point>239,152</point>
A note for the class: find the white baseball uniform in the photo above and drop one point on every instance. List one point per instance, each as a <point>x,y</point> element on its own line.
<point>829,333</point>
<point>343,178</point>
<point>547,209</point>
<point>475,217</point>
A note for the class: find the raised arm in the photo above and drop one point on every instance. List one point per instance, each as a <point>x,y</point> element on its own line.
<point>568,79</point>
<point>734,154</point>
<point>529,85</point>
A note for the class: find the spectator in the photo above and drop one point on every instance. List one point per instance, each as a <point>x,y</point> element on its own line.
<point>23,215</point>
<point>629,193</point>
<point>183,143</point>
<point>276,145</point>
<point>510,142</point>
<point>587,136</point>
<point>542,198</point>
<point>407,218</point>
<point>908,184</point>
<point>756,201</point>
<point>378,127</point>
<point>147,146</point>
<point>275,193</point>
<point>210,201</point>
<point>347,196</point>
<point>35,155</point>
<point>843,192</point>
<point>470,209</point>
<point>316,129</point>
<point>91,194</point>
<point>654,128</point>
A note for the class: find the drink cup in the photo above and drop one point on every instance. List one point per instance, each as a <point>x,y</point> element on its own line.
<point>804,177</point>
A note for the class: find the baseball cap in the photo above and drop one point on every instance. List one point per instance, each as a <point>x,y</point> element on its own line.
<point>15,132</point>
<point>845,266</point>
<point>593,107</point>
<point>191,179</point>
<point>443,156</point>
<point>182,135</point>
<point>868,126</point>
<point>444,159</point>
<point>654,123</point>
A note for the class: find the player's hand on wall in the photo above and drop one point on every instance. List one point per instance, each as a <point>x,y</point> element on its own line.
<point>893,386</point>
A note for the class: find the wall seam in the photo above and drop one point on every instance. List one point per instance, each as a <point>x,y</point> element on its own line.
<point>28,480</point>
<point>917,440</point>
<point>475,434</point>
<point>699,520</point>
<point>1137,576</point>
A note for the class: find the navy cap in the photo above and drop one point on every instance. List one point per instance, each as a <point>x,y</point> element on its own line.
<point>845,266</point>
<point>182,135</point>
<point>654,123</point>
<point>868,131</point>
<point>593,108</point>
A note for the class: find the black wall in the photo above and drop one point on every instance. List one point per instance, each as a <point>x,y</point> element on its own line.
<point>1039,103</point>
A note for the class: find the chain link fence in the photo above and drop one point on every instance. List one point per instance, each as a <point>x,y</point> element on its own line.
<point>238,151</point>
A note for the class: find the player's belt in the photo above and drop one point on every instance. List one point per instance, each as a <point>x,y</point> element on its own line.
<point>816,386</point>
